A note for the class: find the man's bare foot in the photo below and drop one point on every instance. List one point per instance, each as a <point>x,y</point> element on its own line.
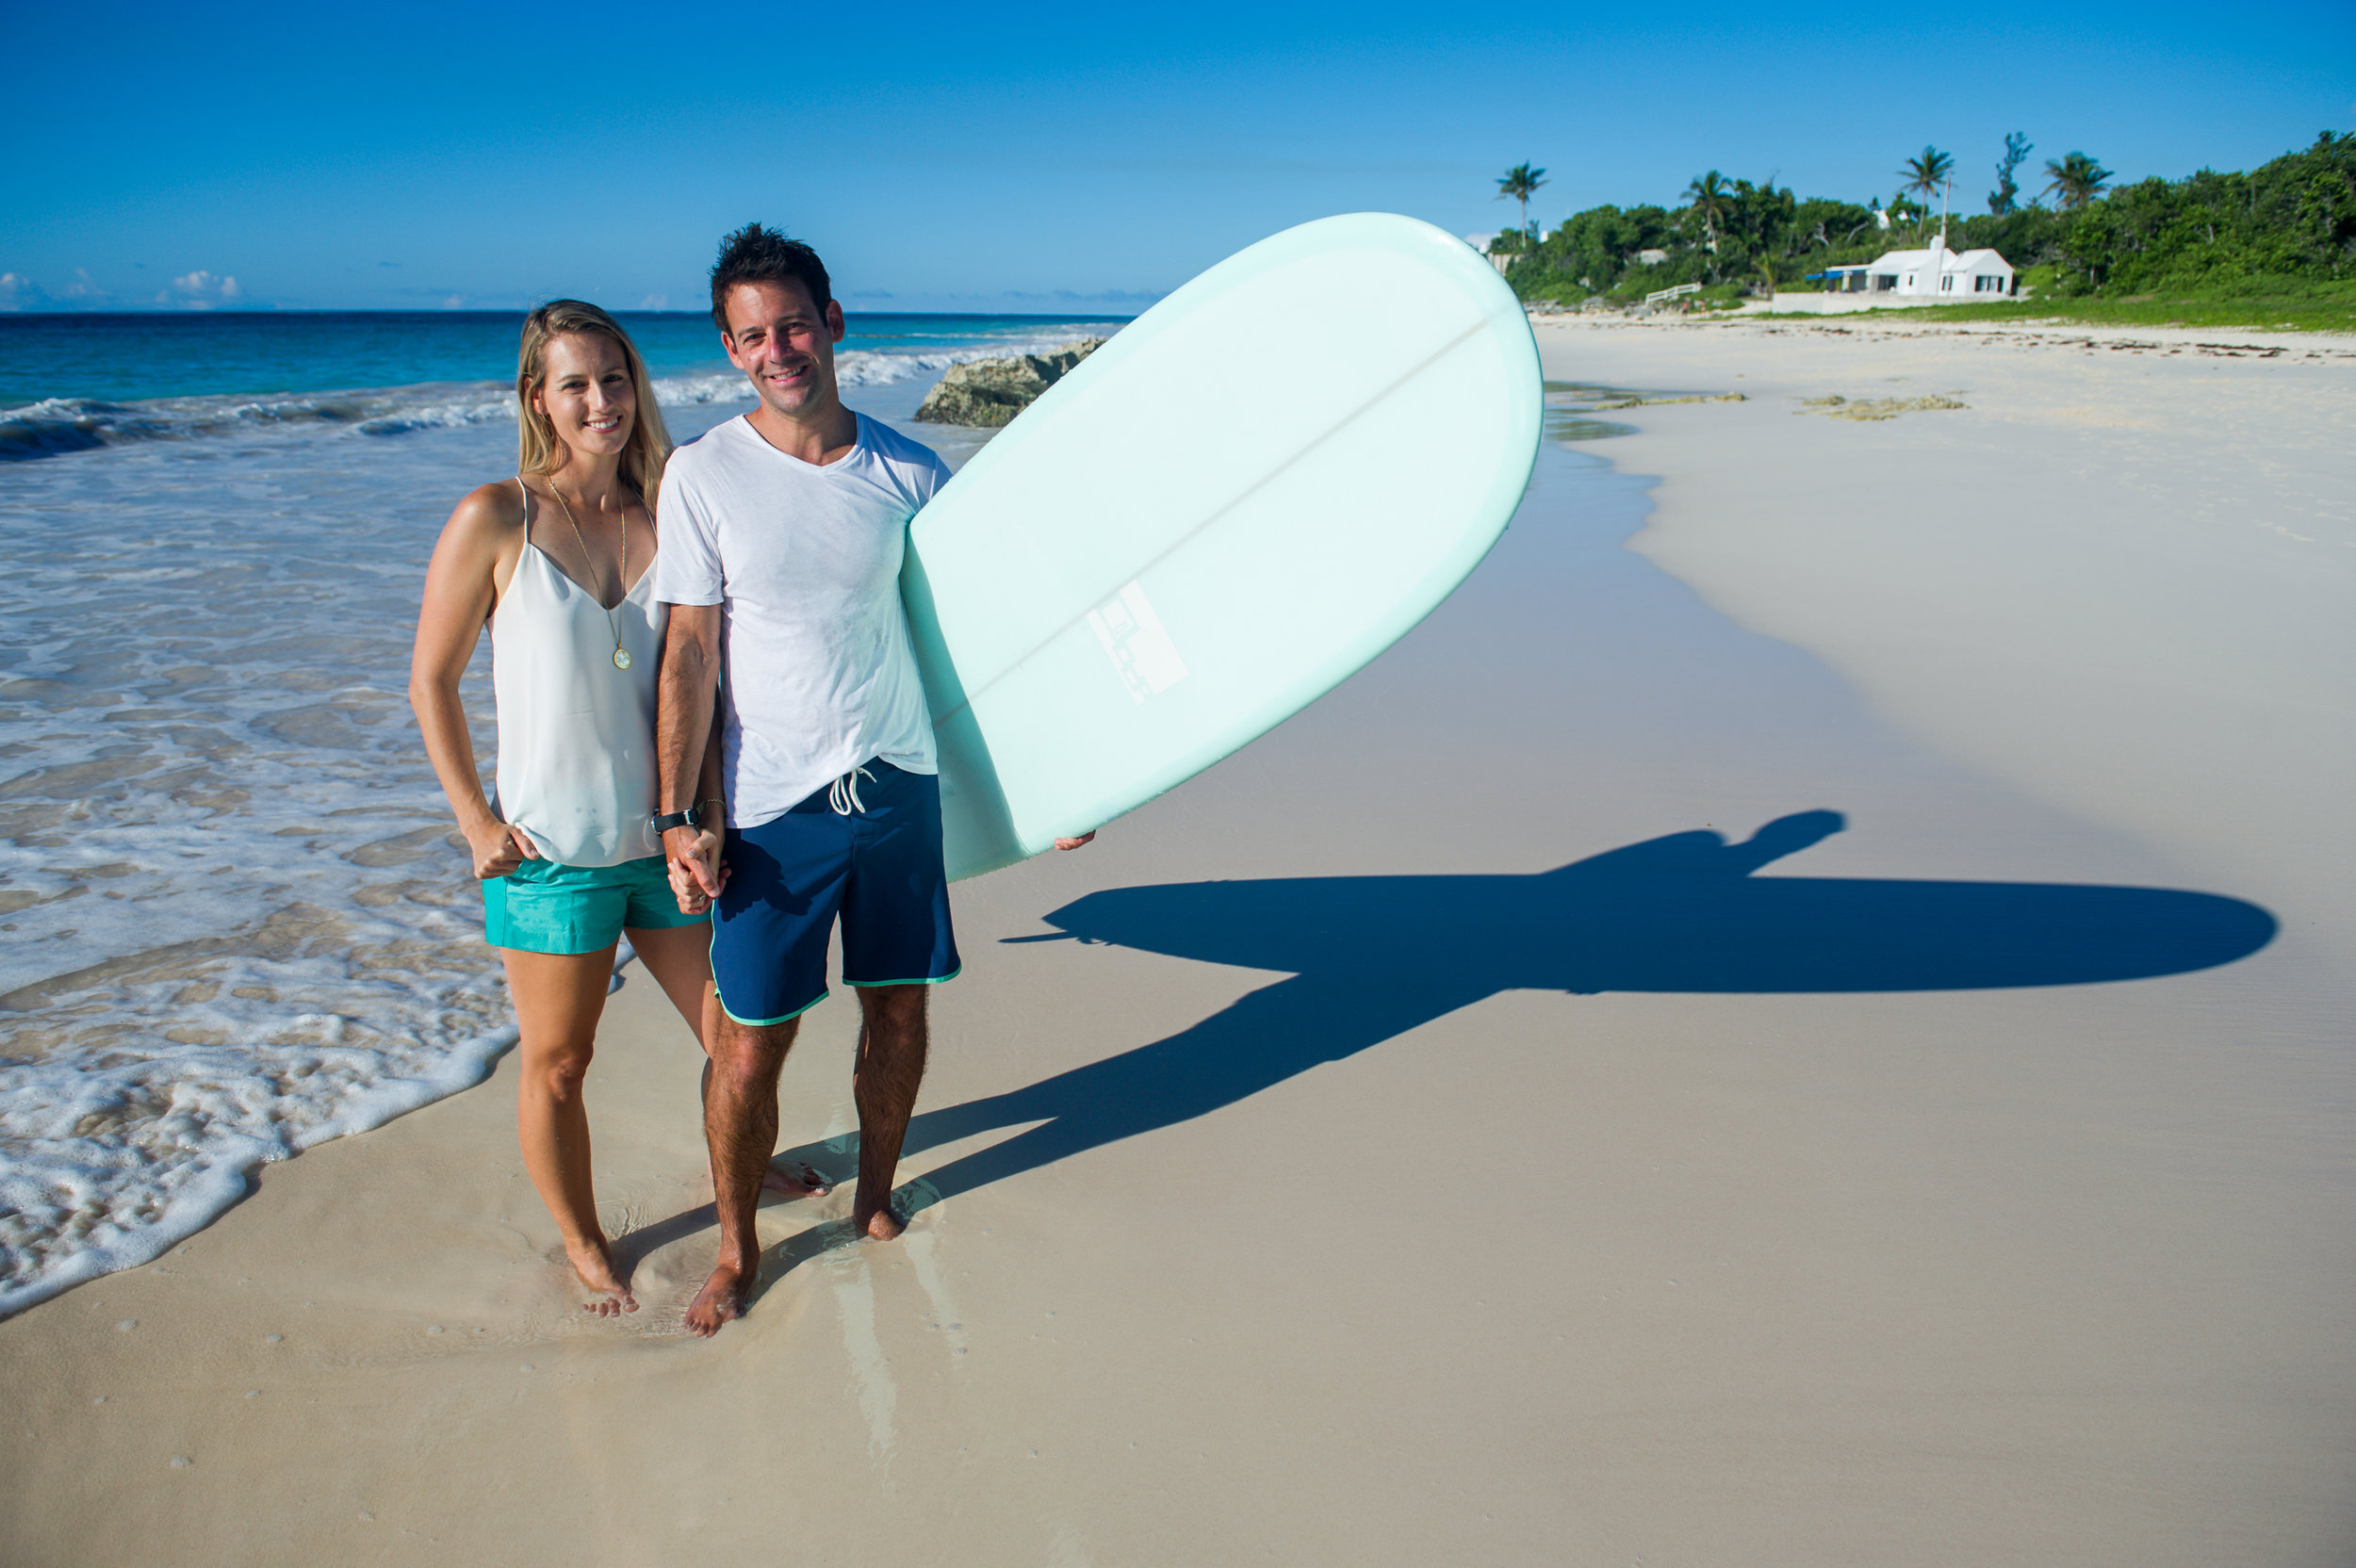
<point>720,1301</point>
<point>593,1262</point>
<point>883,1225</point>
<point>796,1181</point>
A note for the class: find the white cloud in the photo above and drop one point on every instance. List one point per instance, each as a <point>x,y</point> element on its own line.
<point>201,290</point>
<point>655,301</point>
<point>16,292</point>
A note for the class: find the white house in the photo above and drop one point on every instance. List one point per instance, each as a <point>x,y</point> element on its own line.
<point>1928,274</point>
<point>1481,242</point>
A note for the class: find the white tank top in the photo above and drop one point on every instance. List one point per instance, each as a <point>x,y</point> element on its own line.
<point>575,742</point>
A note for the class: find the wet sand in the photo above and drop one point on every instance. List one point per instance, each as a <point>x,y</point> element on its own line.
<point>1655,1068</point>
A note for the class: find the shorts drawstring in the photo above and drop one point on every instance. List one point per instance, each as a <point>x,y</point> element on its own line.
<point>842,794</point>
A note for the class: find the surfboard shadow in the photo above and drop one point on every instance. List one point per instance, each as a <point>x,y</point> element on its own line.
<point>1371,958</point>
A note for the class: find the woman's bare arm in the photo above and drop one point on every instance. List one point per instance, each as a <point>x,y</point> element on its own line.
<point>478,548</point>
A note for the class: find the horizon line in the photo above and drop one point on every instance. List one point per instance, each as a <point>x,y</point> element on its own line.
<point>8,313</point>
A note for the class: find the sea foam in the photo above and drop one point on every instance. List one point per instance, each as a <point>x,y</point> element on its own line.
<point>61,425</point>
<point>231,922</point>
<point>58,426</point>
<point>234,920</point>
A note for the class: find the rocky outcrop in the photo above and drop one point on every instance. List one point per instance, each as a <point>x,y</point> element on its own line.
<point>992,391</point>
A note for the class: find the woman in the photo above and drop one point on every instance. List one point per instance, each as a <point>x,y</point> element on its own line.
<point>554,562</point>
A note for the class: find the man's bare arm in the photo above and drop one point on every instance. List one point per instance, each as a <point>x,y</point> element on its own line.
<point>684,697</point>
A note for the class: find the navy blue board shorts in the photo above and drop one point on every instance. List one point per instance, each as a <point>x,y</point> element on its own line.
<point>868,849</point>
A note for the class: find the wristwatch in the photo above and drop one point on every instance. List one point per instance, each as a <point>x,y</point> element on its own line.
<point>666,820</point>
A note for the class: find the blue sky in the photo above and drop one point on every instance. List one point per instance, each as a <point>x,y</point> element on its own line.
<point>1045,159</point>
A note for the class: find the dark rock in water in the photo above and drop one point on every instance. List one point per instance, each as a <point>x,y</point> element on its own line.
<point>993,391</point>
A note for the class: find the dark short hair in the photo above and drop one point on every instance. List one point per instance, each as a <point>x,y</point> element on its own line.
<point>757,253</point>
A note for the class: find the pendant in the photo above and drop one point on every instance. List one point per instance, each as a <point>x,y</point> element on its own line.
<point>621,658</point>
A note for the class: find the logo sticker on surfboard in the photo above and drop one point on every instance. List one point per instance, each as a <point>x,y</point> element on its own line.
<point>1142,653</point>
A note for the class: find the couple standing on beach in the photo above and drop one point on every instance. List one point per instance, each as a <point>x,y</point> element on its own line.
<point>766,592</point>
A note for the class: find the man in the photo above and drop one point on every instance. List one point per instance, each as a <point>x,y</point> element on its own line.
<point>782,536</point>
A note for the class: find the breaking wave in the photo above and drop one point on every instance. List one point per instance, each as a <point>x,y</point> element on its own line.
<point>57,426</point>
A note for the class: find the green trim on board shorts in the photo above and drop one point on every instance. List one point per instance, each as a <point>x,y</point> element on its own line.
<point>919,980</point>
<point>863,985</point>
<point>765,1022</point>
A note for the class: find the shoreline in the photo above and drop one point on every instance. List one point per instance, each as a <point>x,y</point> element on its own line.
<point>1641,1259</point>
<point>2317,342</point>
<point>232,926</point>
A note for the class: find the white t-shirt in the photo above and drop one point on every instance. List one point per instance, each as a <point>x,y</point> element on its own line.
<point>804,560</point>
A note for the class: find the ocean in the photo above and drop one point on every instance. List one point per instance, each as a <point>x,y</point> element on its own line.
<point>233,922</point>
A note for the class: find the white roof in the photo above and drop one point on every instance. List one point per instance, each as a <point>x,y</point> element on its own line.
<point>1955,261</point>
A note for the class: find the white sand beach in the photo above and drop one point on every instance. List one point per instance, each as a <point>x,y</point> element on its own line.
<point>2123,577</point>
<point>1954,1171</point>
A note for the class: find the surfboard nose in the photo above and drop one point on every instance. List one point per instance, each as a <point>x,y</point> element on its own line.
<point>1706,850</point>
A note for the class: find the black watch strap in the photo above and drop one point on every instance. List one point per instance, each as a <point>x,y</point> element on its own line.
<point>668,820</point>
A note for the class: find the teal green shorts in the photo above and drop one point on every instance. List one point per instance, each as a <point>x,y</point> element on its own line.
<point>541,907</point>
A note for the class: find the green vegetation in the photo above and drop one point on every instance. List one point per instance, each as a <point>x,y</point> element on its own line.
<point>2075,181</point>
<point>2272,247</point>
<point>2318,307</point>
<point>2006,196</point>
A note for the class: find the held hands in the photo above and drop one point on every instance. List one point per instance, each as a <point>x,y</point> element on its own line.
<point>691,855</point>
<point>498,847</point>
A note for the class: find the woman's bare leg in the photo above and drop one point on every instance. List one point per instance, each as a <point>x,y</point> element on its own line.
<point>558,999</point>
<point>680,960</point>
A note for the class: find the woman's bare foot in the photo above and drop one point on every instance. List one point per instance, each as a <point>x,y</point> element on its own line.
<point>720,1301</point>
<point>593,1262</point>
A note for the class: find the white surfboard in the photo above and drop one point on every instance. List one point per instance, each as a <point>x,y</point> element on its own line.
<point>1254,489</point>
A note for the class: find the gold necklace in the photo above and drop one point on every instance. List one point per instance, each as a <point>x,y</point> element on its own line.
<point>621,579</point>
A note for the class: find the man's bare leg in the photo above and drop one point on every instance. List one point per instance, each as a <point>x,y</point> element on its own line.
<point>740,1128</point>
<point>892,1050</point>
<point>558,1000</point>
<point>797,1179</point>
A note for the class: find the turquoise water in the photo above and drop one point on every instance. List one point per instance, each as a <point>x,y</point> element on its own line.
<point>124,358</point>
<point>77,384</point>
<point>232,924</point>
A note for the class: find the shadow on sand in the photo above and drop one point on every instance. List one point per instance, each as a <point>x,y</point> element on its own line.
<point>1370,957</point>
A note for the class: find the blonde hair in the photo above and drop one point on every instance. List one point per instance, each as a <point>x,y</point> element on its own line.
<point>537,449</point>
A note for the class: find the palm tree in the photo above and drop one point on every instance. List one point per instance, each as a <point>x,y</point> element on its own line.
<point>1925,174</point>
<point>1708,197</point>
<point>2005,197</point>
<point>1520,183</point>
<point>2074,180</point>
